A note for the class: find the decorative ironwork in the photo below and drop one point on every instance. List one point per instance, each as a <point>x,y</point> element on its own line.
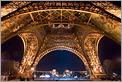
<point>31,48</point>
<point>84,6</point>
<point>109,7</point>
<point>68,27</point>
<point>90,48</point>
<point>49,17</point>
<point>13,6</point>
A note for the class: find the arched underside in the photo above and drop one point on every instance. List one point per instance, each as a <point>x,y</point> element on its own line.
<point>46,51</point>
<point>90,61</point>
<point>60,60</point>
<point>74,30</point>
<point>21,22</point>
<point>61,48</point>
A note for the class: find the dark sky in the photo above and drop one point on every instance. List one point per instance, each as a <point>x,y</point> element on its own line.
<point>108,49</point>
<point>61,60</point>
<point>13,49</point>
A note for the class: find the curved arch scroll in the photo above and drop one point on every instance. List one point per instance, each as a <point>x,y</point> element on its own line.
<point>41,55</point>
<point>90,48</point>
<point>77,53</point>
<point>31,47</point>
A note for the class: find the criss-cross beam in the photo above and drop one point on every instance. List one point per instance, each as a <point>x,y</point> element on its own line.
<point>50,43</point>
<point>71,43</point>
<point>88,39</point>
<point>72,46</point>
<point>30,21</point>
<point>15,24</point>
<point>95,7</point>
<point>110,27</point>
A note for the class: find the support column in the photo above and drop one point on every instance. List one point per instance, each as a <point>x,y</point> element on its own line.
<point>31,47</point>
<point>91,49</point>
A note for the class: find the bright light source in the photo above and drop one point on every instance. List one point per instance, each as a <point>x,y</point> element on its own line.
<point>32,68</point>
<point>42,76</point>
<point>47,76</point>
<point>75,76</point>
<point>34,75</point>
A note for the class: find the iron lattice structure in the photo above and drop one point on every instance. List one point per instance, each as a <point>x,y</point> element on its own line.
<point>48,26</point>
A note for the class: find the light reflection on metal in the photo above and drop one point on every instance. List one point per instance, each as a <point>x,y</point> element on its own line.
<point>86,6</point>
<point>90,45</point>
<point>5,11</point>
<point>22,20</point>
<point>66,41</point>
<point>108,6</point>
<point>31,47</point>
<point>12,6</point>
<point>60,48</point>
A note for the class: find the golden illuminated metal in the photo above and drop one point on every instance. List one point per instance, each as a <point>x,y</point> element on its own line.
<point>90,45</point>
<point>99,7</point>
<point>108,6</point>
<point>31,48</point>
<point>12,6</point>
<point>44,31</point>
<point>24,21</point>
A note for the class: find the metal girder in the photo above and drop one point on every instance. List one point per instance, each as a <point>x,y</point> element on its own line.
<point>30,50</point>
<point>98,7</point>
<point>60,40</point>
<point>91,50</point>
<point>42,17</point>
<point>46,30</point>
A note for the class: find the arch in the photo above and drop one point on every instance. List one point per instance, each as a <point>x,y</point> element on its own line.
<point>108,26</point>
<point>23,42</point>
<point>17,23</point>
<point>91,47</point>
<point>110,56</point>
<point>60,60</point>
<point>30,50</point>
<point>15,44</point>
<point>108,44</point>
<point>12,54</point>
<point>62,48</point>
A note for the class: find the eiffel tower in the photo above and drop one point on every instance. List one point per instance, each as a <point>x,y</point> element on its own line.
<point>75,26</point>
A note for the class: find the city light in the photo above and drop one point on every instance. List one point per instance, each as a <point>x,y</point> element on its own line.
<point>32,69</point>
<point>66,75</point>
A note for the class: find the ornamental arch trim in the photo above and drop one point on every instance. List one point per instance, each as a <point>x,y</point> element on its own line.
<point>61,48</point>
<point>108,26</point>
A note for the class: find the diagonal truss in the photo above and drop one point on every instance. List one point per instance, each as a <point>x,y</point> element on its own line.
<point>44,31</point>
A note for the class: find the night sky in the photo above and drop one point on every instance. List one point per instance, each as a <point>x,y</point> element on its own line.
<point>108,49</point>
<point>60,60</point>
<point>13,50</point>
